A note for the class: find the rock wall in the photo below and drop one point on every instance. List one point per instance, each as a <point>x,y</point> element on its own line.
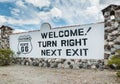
<point>60,63</point>
<point>5,31</point>
<point>112,30</point>
<point>112,41</point>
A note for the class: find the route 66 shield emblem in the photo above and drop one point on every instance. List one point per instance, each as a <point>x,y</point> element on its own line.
<point>24,44</point>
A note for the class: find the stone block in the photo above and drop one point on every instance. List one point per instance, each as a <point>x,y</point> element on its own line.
<point>107,52</point>
<point>115,32</point>
<point>35,63</point>
<point>59,65</point>
<point>89,62</point>
<point>85,65</point>
<point>75,66</point>
<point>67,62</point>
<point>41,64</point>
<point>105,42</point>
<point>58,60</point>
<point>113,50</point>
<point>66,66</point>
<point>111,43</point>
<point>105,61</point>
<point>47,64</point>
<point>71,66</point>
<point>54,65</point>
<point>93,66</point>
<point>49,60</point>
<point>118,39</point>
<point>106,56</point>
<point>63,60</point>
<point>26,62</point>
<point>80,66</point>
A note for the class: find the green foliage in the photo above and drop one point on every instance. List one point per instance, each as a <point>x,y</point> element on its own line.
<point>118,51</point>
<point>6,57</point>
<point>115,60</point>
<point>118,73</point>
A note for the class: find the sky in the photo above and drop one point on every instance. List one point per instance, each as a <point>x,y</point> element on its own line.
<point>27,15</point>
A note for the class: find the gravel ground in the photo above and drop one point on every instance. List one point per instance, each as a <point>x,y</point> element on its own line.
<point>16,74</point>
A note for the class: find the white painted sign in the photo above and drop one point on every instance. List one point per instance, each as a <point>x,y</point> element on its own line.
<point>76,42</point>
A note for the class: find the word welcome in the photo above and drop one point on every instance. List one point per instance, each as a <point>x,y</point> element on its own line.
<point>65,33</point>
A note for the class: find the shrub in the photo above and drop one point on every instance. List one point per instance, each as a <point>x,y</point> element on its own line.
<point>6,57</point>
<point>118,51</point>
<point>118,73</point>
<point>115,60</point>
